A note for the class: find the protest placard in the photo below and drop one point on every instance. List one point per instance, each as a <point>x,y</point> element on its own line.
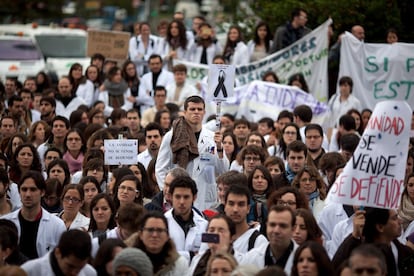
<point>113,45</point>
<point>220,82</point>
<point>374,176</point>
<point>379,71</point>
<point>120,151</point>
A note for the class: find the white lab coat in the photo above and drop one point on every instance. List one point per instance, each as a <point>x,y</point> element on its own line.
<point>241,244</point>
<point>86,91</point>
<point>65,111</point>
<point>331,215</point>
<point>104,96</point>
<point>138,54</point>
<point>187,91</point>
<point>42,266</point>
<point>202,169</point>
<point>194,262</point>
<point>145,94</point>
<point>213,50</point>
<point>144,158</point>
<point>50,229</point>
<point>241,55</point>
<point>80,222</point>
<point>192,241</point>
<point>164,50</point>
<point>256,257</point>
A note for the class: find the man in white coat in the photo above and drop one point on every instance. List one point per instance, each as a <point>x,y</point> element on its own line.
<point>157,77</point>
<point>66,103</point>
<point>281,248</point>
<point>39,231</point>
<point>70,257</point>
<point>195,148</point>
<point>185,225</point>
<point>180,89</point>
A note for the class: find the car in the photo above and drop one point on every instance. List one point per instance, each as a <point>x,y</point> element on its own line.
<point>20,57</point>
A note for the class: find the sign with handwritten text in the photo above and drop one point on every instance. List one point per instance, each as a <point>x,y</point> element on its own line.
<point>121,152</point>
<point>374,176</point>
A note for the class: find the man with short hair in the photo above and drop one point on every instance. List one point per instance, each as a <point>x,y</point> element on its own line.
<point>296,153</point>
<point>237,207</point>
<point>281,248</point>
<point>192,146</point>
<point>30,84</point>
<point>60,127</point>
<point>250,157</point>
<point>180,89</point>
<point>160,95</point>
<point>39,231</point>
<point>313,141</point>
<point>133,123</point>
<point>8,126</point>
<point>27,97</point>
<point>16,110</point>
<point>162,200</point>
<point>241,130</point>
<point>10,89</point>
<point>66,102</point>
<point>47,109</point>
<point>292,31</point>
<point>265,127</point>
<point>153,136</point>
<point>184,224</point>
<point>156,77</point>
<point>70,257</point>
<point>367,259</point>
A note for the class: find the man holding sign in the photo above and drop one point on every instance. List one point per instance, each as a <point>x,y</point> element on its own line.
<point>195,148</point>
<point>374,177</point>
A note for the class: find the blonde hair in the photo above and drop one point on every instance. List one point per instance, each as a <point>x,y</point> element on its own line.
<point>224,256</point>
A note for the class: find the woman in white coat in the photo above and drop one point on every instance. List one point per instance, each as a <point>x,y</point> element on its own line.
<point>72,198</point>
<point>153,238</point>
<point>236,52</point>
<point>176,45</point>
<point>259,47</point>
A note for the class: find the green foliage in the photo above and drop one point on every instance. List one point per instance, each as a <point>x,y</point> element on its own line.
<point>376,16</point>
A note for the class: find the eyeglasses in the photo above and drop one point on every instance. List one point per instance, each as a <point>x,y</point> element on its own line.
<point>304,180</point>
<point>73,199</point>
<point>249,159</point>
<point>290,132</point>
<point>127,188</point>
<point>153,230</point>
<point>286,203</point>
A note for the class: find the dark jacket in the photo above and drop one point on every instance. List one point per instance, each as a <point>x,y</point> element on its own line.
<point>156,203</point>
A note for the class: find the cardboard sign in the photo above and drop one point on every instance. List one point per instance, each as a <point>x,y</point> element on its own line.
<point>221,81</point>
<point>113,45</point>
<point>374,176</point>
<point>120,152</point>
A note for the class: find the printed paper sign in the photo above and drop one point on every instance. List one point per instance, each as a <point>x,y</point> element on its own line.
<point>374,176</point>
<point>121,152</point>
<point>220,82</point>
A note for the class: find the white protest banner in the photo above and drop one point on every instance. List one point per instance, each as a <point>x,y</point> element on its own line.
<point>379,71</point>
<point>374,176</point>
<point>265,99</point>
<point>309,55</point>
<point>220,82</point>
<point>121,151</point>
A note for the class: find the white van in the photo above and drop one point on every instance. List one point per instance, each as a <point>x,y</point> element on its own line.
<point>20,57</point>
<point>61,47</point>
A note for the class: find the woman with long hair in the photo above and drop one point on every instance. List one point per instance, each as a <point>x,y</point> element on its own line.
<point>221,263</point>
<point>153,238</point>
<point>93,75</point>
<point>129,190</point>
<point>290,133</point>
<point>106,254</point>
<point>38,133</point>
<point>74,145</point>
<point>163,118</point>
<point>259,47</point>
<point>81,86</point>
<point>130,75</point>
<point>59,169</point>
<point>43,81</point>
<point>311,258</point>
<point>260,184</point>
<point>230,146</point>
<point>306,228</point>
<point>176,45</point>
<point>102,210</point>
<point>15,140</point>
<point>235,52</point>
<point>91,188</point>
<point>298,80</point>
<point>406,209</point>
<point>25,158</point>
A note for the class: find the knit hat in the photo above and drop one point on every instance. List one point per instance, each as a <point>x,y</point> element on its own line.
<point>135,259</point>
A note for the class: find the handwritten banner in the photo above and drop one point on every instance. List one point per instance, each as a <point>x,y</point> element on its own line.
<point>374,176</point>
<point>120,152</point>
<point>309,56</point>
<point>379,71</point>
<point>265,99</point>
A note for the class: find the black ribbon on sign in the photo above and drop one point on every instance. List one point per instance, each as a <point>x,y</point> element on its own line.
<point>220,86</point>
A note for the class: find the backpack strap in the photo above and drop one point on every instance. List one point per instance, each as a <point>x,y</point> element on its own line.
<point>252,239</point>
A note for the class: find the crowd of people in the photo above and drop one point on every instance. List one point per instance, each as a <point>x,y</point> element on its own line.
<point>244,198</point>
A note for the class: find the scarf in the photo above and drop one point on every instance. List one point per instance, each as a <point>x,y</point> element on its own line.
<point>73,164</point>
<point>183,143</point>
<point>406,211</point>
<point>260,198</point>
<point>290,174</point>
<point>115,89</point>
<point>312,198</point>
